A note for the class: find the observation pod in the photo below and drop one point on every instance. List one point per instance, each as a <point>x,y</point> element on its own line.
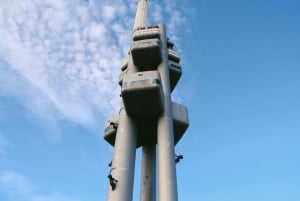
<point>146,53</point>
<point>142,93</point>
<point>175,74</point>
<point>147,126</point>
<point>146,48</point>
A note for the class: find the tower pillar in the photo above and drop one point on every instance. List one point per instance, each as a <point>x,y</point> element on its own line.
<point>148,176</point>
<point>167,184</point>
<point>123,163</point>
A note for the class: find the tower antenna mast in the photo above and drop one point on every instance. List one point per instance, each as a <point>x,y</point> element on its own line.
<point>141,14</point>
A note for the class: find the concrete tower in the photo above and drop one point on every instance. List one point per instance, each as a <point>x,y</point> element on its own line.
<point>148,118</point>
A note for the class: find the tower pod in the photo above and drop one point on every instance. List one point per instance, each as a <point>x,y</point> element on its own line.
<point>180,120</point>
<point>173,56</point>
<point>175,73</point>
<point>111,126</point>
<point>146,33</point>
<point>125,64</point>
<point>146,53</point>
<point>142,94</point>
<point>122,75</point>
<point>147,129</point>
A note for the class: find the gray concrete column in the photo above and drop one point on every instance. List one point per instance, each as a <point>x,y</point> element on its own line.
<point>167,183</point>
<point>148,175</point>
<point>123,163</point>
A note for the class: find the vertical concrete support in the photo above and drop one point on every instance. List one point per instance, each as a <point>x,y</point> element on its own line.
<point>167,184</point>
<point>124,159</point>
<point>148,176</point>
<point>141,14</point>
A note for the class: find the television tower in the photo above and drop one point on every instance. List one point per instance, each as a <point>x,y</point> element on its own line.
<point>147,118</point>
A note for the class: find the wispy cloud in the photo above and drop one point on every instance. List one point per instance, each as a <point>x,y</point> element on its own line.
<point>173,13</point>
<point>62,58</point>
<point>16,185</point>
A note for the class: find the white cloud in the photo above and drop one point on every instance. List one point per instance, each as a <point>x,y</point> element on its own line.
<point>157,13</point>
<point>96,31</point>
<point>14,184</point>
<point>62,58</point>
<point>65,59</point>
<point>108,11</point>
<point>172,13</point>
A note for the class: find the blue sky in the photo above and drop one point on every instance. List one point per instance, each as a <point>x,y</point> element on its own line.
<point>59,66</point>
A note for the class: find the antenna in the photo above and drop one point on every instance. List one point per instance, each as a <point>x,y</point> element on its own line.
<point>141,14</point>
